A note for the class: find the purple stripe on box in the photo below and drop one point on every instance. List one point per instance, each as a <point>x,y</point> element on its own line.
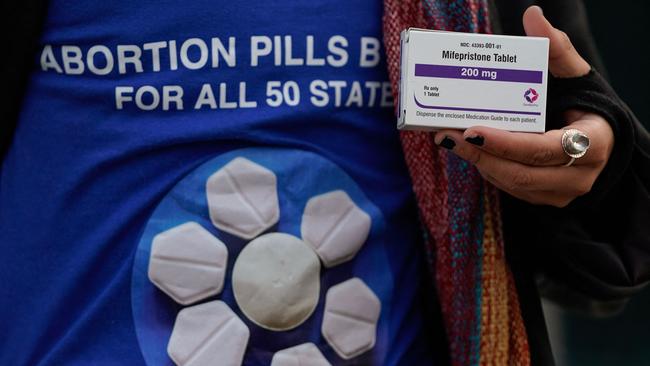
<point>479,73</point>
<point>474,109</point>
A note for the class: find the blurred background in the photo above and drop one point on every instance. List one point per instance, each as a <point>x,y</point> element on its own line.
<point>621,30</point>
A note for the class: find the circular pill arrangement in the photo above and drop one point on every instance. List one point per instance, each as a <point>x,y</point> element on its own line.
<point>275,278</point>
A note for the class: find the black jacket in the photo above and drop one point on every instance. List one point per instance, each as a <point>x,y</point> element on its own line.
<point>593,254</point>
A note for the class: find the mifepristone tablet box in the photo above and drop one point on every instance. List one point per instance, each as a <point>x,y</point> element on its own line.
<point>458,80</point>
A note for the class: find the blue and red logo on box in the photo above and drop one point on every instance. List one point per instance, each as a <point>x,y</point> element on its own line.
<point>531,95</point>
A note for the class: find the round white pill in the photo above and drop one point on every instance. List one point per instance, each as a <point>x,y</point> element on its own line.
<point>243,199</point>
<point>306,354</point>
<point>350,318</point>
<point>335,227</point>
<point>208,334</point>
<point>188,263</point>
<point>276,281</point>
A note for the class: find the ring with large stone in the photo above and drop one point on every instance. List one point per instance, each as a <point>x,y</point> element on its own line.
<point>575,144</point>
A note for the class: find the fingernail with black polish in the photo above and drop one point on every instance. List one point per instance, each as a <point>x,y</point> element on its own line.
<point>447,143</point>
<point>475,140</point>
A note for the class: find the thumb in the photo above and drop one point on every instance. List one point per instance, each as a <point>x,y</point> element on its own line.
<point>563,61</point>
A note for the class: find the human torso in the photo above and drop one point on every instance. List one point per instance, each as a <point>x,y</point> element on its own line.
<point>107,152</point>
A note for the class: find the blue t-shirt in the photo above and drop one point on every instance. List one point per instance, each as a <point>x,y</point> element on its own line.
<point>133,107</point>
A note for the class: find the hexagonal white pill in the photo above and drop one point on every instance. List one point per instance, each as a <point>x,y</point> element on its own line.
<point>276,281</point>
<point>243,199</point>
<point>208,334</point>
<point>188,263</point>
<point>350,318</point>
<point>335,227</point>
<point>306,354</point>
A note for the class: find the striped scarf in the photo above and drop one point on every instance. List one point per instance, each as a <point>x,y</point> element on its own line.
<point>460,213</point>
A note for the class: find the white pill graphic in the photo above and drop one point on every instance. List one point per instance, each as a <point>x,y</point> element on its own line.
<point>208,334</point>
<point>306,354</point>
<point>350,318</point>
<point>243,199</point>
<point>188,263</point>
<point>335,227</point>
<point>276,281</point>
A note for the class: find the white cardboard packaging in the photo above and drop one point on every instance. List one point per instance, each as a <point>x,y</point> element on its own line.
<point>458,80</point>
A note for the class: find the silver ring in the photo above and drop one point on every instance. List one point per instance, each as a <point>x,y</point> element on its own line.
<point>570,162</point>
<point>575,144</point>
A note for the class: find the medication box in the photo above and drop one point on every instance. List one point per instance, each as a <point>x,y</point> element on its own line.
<point>458,80</point>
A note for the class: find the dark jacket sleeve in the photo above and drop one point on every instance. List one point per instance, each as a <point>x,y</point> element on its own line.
<point>596,250</point>
<point>23,22</point>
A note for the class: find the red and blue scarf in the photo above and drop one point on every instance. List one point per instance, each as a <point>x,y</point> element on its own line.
<point>460,213</point>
